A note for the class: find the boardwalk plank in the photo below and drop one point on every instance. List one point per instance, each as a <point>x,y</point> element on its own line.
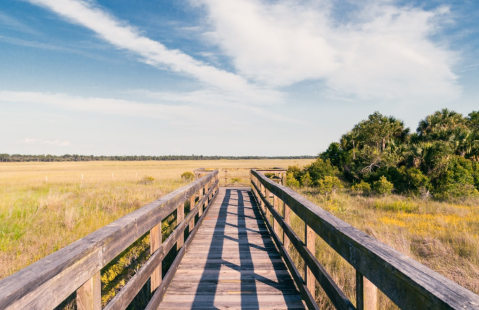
<point>232,263</point>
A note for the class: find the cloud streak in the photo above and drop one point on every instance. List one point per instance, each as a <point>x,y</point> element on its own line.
<point>193,106</point>
<point>15,24</point>
<point>383,51</point>
<point>126,37</point>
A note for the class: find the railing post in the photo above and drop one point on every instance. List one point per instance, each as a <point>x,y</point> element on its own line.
<point>155,242</point>
<point>207,188</point>
<point>366,294</point>
<point>287,212</point>
<point>89,294</point>
<point>265,207</point>
<point>180,215</point>
<point>192,206</point>
<point>310,237</point>
<point>276,208</point>
<point>283,178</point>
<point>261,191</point>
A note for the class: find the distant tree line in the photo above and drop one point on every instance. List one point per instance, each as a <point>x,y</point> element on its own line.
<point>440,159</point>
<point>74,157</point>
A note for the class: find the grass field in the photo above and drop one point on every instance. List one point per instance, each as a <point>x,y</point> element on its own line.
<point>46,206</point>
<point>444,236</point>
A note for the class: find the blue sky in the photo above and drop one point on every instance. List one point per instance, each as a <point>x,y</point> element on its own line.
<point>235,77</point>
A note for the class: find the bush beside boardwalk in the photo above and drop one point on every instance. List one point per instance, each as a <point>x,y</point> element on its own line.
<point>417,192</point>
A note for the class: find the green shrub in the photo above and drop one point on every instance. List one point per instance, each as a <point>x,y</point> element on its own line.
<point>306,180</point>
<point>383,186</point>
<point>291,180</point>
<point>329,185</point>
<point>294,171</point>
<point>361,188</point>
<point>146,180</point>
<point>457,181</point>
<point>417,180</point>
<point>187,176</point>
<point>475,169</point>
<point>320,169</point>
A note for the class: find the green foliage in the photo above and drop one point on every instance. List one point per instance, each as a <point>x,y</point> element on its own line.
<point>383,186</point>
<point>294,171</point>
<point>334,154</point>
<point>329,185</point>
<point>306,180</point>
<point>441,158</point>
<point>269,175</point>
<point>361,188</point>
<point>370,145</point>
<point>187,176</point>
<point>291,181</point>
<point>457,181</point>
<point>475,172</point>
<point>146,180</point>
<point>319,169</point>
<point>416,179</point>
<point>405,180</point>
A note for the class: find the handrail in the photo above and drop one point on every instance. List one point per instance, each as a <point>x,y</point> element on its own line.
<point>76,267</point>
<point>409,284</point>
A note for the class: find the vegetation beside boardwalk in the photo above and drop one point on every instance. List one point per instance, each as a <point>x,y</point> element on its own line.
<point>443,235</point>
<point>439,160</point>
<point>418,193</point>
<point>46,206</point>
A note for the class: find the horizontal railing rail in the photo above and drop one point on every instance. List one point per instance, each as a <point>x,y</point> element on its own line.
<point>409,284</point>
<point>76,268</point>
<point>242,176</point>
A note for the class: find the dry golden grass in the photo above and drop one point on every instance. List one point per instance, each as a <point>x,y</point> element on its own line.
<point>38,217</point>
<point>444,236</point>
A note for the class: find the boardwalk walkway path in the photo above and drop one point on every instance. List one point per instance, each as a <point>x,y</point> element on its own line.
<point>232,263</point>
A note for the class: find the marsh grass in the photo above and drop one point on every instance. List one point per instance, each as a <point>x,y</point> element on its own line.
<point>444,236</point>
<point>46,206</point>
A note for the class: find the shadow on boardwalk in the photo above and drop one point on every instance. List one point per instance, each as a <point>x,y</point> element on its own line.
<point>232,263</point>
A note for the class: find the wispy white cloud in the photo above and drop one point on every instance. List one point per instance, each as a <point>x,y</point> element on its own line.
<point>93,104</point>
<point>44,142</point>
<point>126,37</point>
<point>383,52</point>
<point>198,105</point>
<point>13,23</point>
<point>215,99</point>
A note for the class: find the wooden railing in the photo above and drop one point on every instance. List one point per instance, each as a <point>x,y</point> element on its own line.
<point>242,176</point>
<point>409,284</point>
<point>76,268</point>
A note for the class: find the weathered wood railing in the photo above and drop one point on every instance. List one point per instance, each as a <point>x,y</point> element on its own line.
<point>409,284</point>
<point>76,268</point>
<point>241,176</point>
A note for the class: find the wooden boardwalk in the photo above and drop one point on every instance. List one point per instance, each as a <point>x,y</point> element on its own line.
<point>232,258</point>
<point>232,262</point>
